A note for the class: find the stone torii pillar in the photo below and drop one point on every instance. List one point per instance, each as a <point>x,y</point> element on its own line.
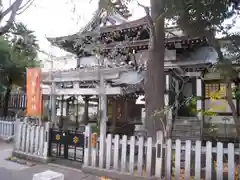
<point>53,104</point>
<point>86,106</point>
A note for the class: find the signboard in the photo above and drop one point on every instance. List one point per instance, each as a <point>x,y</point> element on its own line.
<point>34,98</point>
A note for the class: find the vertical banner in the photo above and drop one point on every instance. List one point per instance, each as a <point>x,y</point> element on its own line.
<point>34,97</point>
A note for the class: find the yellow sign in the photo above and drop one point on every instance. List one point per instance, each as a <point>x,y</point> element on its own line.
<point>215,100</point>
<point>94,140</point>
<point>58,137</point>
<point>75,139</point>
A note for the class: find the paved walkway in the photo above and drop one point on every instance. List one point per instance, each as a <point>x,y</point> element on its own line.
<point>14,171</point>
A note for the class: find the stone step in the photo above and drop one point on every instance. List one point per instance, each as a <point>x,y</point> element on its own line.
<point>186,117</point>
<point>186,127</point>
<point>186,133</point>
<point>185,138</point>
<point>186,122</point>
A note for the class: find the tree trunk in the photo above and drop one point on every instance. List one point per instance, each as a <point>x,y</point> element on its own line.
<point>232,106</point>
<point>155,79</point>
<point>6,100</point>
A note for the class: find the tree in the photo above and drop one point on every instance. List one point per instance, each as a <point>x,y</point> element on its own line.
<point>19,54</point>
<point>206,18</point>
<point>15,8</point>
<point>195,18</point>
<point>24,41</point>
<point>155,80</point>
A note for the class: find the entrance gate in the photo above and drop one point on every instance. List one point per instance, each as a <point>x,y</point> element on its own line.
<point>66,144</point>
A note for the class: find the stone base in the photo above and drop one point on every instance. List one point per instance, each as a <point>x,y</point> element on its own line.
<point>48,175</point>
<point>7,139</point>
<point>114,174</point>
<point>30,157</point>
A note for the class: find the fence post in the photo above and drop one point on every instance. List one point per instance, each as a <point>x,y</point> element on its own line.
<point>16,129</point>
<point>37,133</point>
<point>1,127</point>
<point>198,152</point>
<point>219,161</point>
<point>124,153</point>
<point>17,134</point>
<point>140,156</point>
<point>208,172</point>
<point>168,167</point>
<point>149,157</point>
<point>41,141</point>
<point>28,138</point>
<point>46,139</point>
<point>116,152</point>
<point>87,147</point>
<point>159,153</point>
<point>231,163</point>
<point>32,139</point>
<point>109,151</point>
<point>94,149</point>
<point>178,159</point>
<point>132,154</point>
<point>187,165</point>
<point>23,137</point>
<point>12,129</point>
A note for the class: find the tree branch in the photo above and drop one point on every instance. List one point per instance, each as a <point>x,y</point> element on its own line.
<point>14,8</point>
<point>171,33</point>
<point>9,9</point>
<point>25,6</point>
<point>150,20</point>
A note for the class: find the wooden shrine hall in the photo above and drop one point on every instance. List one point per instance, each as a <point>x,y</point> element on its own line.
<point>114,48</point>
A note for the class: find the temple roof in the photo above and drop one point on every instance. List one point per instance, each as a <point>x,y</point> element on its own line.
<point>118,14</point>
<point>134,35</point>
<point>172,32</point>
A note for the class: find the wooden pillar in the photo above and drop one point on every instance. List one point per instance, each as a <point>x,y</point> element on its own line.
<point>199,94</point>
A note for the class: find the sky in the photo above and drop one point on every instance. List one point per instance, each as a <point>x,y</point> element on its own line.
<point>53,18</point>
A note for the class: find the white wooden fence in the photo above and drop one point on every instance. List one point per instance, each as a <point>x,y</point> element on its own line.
<point>135,158</point>
<point>32,140</point>
<point>6,128</point>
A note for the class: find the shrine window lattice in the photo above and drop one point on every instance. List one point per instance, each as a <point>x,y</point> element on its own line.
<point>213,88</point>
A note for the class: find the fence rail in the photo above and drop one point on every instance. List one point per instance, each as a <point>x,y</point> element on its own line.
<point>7,128</point>
<point>16,101</point>
<point>32,139</point>
<point>179,160</point>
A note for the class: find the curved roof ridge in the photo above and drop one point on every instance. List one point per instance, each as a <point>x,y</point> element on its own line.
<point>86,28</point>
<point>93,19</point>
